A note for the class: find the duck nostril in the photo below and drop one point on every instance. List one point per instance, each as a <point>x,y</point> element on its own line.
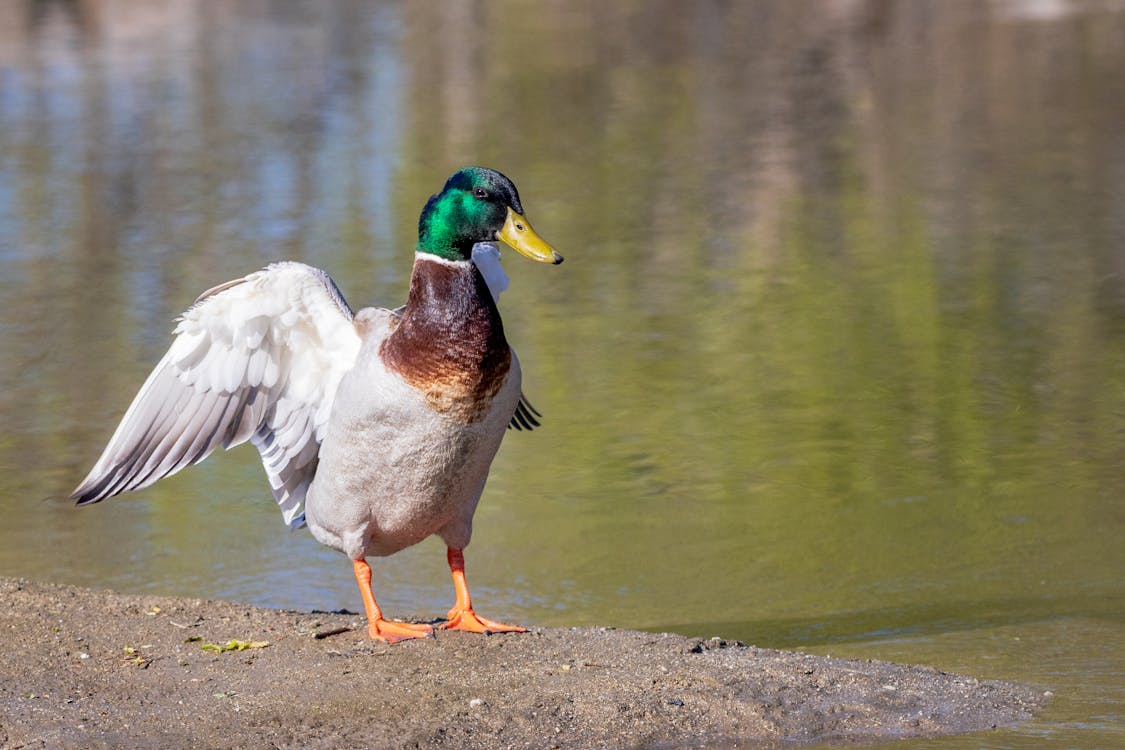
<point>519,227</point>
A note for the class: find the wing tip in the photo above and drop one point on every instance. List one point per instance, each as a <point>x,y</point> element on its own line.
<point>83,495</point>
<point>524,417</point>
<point>94,488</point>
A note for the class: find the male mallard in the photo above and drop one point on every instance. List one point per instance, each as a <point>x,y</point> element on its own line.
<point>382,424</point>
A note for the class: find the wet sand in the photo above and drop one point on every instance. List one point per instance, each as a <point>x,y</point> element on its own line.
<point>88,669</point>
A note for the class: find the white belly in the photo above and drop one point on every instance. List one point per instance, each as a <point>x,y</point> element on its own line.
<point>393,470</point>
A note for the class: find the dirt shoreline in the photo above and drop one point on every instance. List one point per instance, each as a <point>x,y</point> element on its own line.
<point>88,669</point>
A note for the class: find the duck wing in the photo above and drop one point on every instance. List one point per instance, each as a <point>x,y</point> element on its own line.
<point>257,358</point>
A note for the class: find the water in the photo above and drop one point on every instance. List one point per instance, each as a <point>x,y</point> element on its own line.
<point>836,361</point>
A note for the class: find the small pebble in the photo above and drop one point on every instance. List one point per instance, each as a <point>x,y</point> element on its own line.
<point>476,703</point>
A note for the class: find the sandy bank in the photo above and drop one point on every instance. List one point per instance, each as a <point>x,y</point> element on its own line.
<point>86,669</point>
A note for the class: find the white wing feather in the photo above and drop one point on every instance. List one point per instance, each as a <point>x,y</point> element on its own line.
<point>486,256</point>
<point>257,358</point>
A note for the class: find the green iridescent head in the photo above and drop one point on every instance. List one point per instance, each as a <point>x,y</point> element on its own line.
<point>478,205</point>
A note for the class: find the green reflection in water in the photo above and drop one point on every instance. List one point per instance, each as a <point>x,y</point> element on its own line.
<point>836,360</point>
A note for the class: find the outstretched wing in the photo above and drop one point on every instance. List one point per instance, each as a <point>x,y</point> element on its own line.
<point>257,358</point>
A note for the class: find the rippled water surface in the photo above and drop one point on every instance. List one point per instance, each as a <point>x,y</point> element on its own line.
<point>836,361</point>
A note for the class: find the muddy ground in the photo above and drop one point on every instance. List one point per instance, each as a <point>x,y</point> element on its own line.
<point>86,669</point>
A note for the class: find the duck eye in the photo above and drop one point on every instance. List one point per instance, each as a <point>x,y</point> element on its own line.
<point>480,193</point>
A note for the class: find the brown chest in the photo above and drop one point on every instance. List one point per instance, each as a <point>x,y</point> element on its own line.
<point>450,343</point>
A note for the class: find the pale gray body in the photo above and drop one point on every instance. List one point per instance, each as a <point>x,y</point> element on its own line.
<point>393,470</point>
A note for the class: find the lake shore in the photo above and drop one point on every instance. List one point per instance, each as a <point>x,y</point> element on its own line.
<point>90,669</point>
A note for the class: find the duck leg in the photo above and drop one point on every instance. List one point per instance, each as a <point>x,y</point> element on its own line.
<point>378,628</point>
<point>462,616</point>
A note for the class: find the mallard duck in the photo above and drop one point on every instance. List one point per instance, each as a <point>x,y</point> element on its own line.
<point>377,428</point>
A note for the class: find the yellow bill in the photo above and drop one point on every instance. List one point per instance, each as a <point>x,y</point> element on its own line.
<point>518,234</point>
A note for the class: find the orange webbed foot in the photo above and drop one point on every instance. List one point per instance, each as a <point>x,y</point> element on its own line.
<point>393,632</point>
<point>378,628</point>
<point>462,616</point>
<point>471,622</point>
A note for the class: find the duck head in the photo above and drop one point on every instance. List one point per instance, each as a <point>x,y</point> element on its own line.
<point>478,205</point>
